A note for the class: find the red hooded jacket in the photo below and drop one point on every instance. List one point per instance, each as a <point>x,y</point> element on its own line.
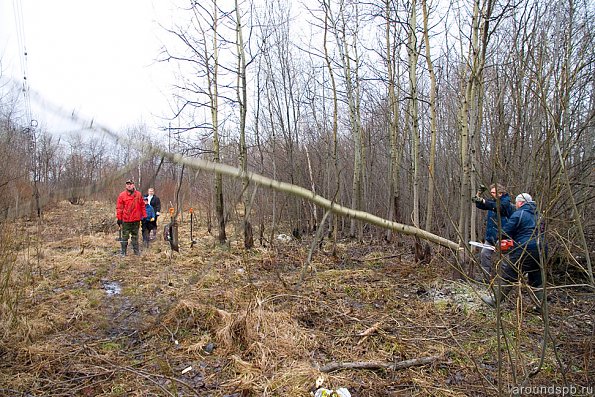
<point>130,207</point>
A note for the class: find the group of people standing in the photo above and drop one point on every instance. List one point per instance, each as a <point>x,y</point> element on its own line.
<point>514,228</point>
<point>133,210</point>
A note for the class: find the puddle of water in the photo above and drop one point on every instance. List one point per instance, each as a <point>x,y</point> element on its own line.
<point>112,288</point>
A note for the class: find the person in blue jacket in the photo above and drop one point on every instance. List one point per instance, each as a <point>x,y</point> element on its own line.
<point>524,256</point>
<point>500,198</point>
<point>148,222</point>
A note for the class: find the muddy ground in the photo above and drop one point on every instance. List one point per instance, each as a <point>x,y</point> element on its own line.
<point>212,320</point>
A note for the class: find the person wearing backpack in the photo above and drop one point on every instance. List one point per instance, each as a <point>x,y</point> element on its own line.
<point>148,222</point>
<point>130,209</point>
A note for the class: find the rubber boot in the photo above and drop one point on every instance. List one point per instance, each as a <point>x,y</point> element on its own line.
<point>538,295</point>
<point>500,293</point>
<point>124,246</point>
<point>135,246</point>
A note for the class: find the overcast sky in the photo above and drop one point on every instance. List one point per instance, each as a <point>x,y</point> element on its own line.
<point>94,57</point>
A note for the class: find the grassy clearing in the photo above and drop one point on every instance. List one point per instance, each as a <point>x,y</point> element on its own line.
<point>215,321</point>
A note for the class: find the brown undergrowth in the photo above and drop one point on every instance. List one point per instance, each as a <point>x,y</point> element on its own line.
<point>215,320</point>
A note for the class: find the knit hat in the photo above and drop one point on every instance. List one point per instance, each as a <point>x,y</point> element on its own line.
<point>524,197</point>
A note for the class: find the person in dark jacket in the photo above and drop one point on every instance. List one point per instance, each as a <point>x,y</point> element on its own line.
<point>524,257</point>
<point>130,209</point>
<point>501,199</point>
<point>156,204</point>
<point>148,222</point>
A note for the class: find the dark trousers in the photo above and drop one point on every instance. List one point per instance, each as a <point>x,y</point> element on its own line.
<point>521,261</point>
<point>147,227</point>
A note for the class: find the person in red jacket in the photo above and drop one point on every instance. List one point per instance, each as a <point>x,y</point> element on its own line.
<point>130,209</point>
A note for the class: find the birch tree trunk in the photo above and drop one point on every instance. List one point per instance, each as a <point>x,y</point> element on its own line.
<point>306,194</point>
<point>476,113</point>
<point>213,88</point>
<point>471,115</point>
<point>331,73</point>
<point>469,77</point>
<point>421,255</point>
<point>354,120</point>
<point>414,127</point>
<point>243,105</point>
<point>433,126</point>
<point>393,120</point>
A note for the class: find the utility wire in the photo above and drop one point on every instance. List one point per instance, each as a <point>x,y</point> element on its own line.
<point>22,52</point>
<point>30,130</point>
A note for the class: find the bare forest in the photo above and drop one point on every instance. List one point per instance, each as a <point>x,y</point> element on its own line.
<point>317,165</point>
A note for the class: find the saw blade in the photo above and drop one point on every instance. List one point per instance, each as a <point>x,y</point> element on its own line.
<point>482,245</point>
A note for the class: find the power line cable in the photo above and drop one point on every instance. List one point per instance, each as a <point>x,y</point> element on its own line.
<point>22,55</point>
<point>32,124</point>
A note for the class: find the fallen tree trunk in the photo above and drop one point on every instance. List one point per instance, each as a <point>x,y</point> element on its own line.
<point>335,365</point>
<point>261,180</point>
<point>306,194</point>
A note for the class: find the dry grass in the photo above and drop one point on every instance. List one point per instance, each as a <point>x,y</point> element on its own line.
<point>246,325</point>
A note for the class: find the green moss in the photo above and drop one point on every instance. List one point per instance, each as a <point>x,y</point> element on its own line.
<point>110,346</point>
<point>441,305</point>
<point>118,390</point>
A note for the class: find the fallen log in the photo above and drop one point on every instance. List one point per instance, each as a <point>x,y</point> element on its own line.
<point>224,169</point>
<point>306,194</point>
<point>394,366</point>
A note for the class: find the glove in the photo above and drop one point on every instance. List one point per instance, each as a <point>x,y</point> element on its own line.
<point>477,199</point>
<point>119,222</point>
<point>506,244</point>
